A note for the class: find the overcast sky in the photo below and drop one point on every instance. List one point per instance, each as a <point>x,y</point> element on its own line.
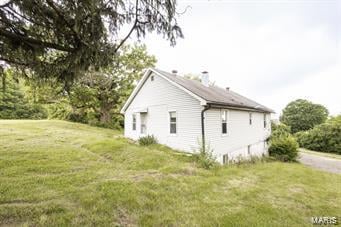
<point>271,51</point>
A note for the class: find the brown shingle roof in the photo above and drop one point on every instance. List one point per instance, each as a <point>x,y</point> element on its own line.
<point>215,95</point>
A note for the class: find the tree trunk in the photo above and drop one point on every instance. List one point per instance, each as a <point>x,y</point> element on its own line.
<point>105,117</point>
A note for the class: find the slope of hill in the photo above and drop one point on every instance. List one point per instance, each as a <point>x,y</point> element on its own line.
<point>55,173</point>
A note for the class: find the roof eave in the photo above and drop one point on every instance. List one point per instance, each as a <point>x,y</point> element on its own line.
<point>239,107</point>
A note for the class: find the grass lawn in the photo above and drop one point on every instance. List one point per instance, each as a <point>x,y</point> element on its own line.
<point>324,154</point>
<point>55,173</point>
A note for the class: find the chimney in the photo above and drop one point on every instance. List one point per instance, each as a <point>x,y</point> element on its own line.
<point>174,72</point>
<point>205,78</point>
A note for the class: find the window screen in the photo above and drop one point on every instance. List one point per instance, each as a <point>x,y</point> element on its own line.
<point>134,122</point>
<point>224,121</point>
<point>172,122</point>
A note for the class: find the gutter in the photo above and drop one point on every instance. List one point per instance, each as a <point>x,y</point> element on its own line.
<point>203,126</point>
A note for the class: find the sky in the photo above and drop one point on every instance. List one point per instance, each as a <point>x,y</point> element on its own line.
<point>272,51</point>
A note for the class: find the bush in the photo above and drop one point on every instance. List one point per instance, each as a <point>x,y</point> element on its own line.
<point>279,130</point>
<point>23,111</point>
<point>205,157</point>
<point>61,110</point>
<point>325,137</point>
<point>284,148</point>
<point>147,140</point>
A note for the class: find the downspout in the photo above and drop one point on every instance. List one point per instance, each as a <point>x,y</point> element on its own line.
<point>203,126</point>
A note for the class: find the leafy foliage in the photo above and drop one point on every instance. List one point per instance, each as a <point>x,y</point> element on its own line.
<point>284,148</point>
<point>13,103</point>
<point>63,39</point>
<point>99,96</point>
<point>60,110</point>
<point>147,140</point>
<point>325,137</point>
<point>303,115</point>
<point>279,130</point>
<point>204,157</point>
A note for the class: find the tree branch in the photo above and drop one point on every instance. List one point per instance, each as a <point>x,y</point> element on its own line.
<point>29,40</point>
<point>131,30</point>
<point>50,3</point>
<point>13,61</point>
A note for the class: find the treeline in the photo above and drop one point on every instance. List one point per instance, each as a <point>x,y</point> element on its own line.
<point>309,125</point>
<point>94,98</point>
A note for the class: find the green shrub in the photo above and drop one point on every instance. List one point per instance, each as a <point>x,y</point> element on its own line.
<point>61,110</point>
<point>13,103</point>
<point>279,130</point>
<point>284,148</point>
<point>204,157</point>
<point>325,137</point>
<point>147,140</point>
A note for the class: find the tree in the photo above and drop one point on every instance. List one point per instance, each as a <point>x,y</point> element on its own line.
<point>63,39</point>
<point>13,104</point>
<point>103,93</point>
<point>303,115</point>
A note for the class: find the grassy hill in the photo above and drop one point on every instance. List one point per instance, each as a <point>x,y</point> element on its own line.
<point>55,173</point>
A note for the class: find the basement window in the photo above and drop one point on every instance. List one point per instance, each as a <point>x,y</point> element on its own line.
<point>224,121</point>
<point>172,122</point>
<point>134,122</point>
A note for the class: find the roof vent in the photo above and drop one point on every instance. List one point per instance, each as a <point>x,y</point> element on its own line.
<point>205,78</point>
<point>227,88</point>
<point>174,72</point>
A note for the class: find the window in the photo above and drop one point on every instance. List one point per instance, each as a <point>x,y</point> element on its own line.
<point>249,149</point>
<point>224,121</point>
<point>152,78</point>
<point>143,123</point>
<point>172,122</point>
<point>225,158</point>
<point>250,118</point>
<point>264,119</point>
<point>134,122</point>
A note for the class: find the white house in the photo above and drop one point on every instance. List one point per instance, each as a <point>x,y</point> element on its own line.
<point>184,114</point>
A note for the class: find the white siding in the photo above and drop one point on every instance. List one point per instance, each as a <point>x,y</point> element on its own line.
<point>239,135</point>
<point>160,97</point>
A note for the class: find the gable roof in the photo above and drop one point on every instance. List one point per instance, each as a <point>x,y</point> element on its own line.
<point>213,95</point>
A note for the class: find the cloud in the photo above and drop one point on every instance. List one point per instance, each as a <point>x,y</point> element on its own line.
<point>266,50</point>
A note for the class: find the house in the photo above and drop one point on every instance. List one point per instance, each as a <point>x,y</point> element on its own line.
<point>186,114</point>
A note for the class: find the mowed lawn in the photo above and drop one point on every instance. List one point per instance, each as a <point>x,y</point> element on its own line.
<point>55,173</point>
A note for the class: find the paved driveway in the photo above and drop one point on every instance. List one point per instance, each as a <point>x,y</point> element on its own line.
<point>327,164</point>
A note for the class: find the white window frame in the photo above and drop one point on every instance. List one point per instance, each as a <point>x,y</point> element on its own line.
<point>169,122</point>
<point>134,120</point>
<point>221,121</point>
<point>265,121</point>
<point>250,118</point>
<point>145,124</point>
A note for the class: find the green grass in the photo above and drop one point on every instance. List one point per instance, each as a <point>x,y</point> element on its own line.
<point>55,173</point>
<point>324,154</point>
